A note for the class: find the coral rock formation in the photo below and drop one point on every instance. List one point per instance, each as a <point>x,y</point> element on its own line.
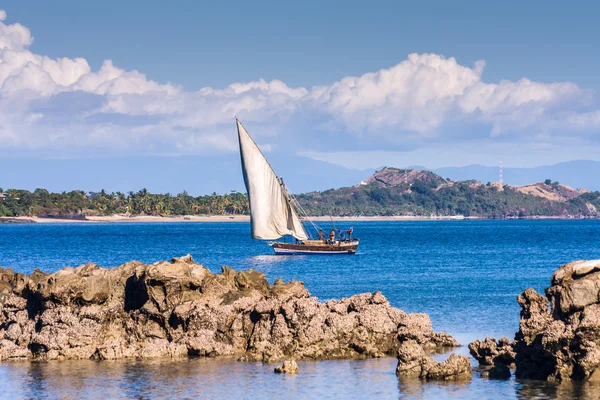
<point>180,308</point>
<point>562,341</point>
<point>288,367</point>
<point>412,361</point>
<point>490,351</point>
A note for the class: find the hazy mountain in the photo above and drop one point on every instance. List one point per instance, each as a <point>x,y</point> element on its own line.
<point>222,173</point>
<point>577,174</point>
<point>198,175</point>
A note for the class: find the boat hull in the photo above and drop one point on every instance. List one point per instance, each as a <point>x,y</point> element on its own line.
<point>338,248</point>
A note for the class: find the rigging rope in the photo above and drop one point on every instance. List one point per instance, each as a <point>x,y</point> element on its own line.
<point>302,212</point>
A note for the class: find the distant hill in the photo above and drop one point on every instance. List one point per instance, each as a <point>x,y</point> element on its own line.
<point>205,174</point>
<point>577,174</point>
<point>198,175</point>
<point>392,191</point>
<point>394,177</point>
<point>389,191</point>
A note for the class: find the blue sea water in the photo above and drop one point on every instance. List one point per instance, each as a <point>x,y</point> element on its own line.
<point>464,274</point>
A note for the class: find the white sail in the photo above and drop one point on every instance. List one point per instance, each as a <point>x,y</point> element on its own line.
<point>271,214</point>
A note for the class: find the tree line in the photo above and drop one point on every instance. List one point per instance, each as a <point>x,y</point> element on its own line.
<point>76,203</point>
<point>467,198</point>
<point>421,198</point>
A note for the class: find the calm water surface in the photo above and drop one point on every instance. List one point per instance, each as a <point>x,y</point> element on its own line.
<point>464,274</point>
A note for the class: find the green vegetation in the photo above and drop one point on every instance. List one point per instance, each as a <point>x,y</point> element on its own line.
<point>459,198</point>
<point>76,204</point>
<point>389,192</point>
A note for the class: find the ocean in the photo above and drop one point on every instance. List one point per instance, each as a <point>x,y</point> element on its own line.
<point>465,274</point>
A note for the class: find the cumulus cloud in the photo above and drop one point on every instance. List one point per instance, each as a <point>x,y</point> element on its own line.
<point>63,105</point>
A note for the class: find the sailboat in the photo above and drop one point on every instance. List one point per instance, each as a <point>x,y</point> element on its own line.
<point>274,211</point>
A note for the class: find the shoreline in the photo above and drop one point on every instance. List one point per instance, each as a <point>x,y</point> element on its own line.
<point>136,219</point>
<point>246,218</point>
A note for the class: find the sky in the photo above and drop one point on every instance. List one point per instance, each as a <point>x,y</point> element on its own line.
<point>362,85</point>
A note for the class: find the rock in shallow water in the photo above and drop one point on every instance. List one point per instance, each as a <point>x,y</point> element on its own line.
<point>499,371</point>
<point>181,309</point>
<point>560,342</point>
<point>490,351</point>
<point>412,361</point>
<point>288,367</point>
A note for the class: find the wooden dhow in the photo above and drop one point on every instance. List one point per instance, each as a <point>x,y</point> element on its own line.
<point>274,212</point>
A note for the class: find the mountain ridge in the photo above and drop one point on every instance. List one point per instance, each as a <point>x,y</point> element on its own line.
<point>576,173</point>
<point>387,192</point>
<point>390,176</point>
<point>408,192</point>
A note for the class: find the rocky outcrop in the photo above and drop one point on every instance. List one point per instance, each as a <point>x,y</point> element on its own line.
<point>288,367</point>
<point>562,341</point>
<point>11,220</point>
<point>413,362</point>
<point>388,176</point>
<point>417,327</point>
<point>180,308</point>
<point>77,214</point>
<point>499,354</point>
<point>498,371</point>
<point>490,351</point>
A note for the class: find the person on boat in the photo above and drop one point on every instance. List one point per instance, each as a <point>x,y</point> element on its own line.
<point>349,233</point>
<point>321,235</point>
<point>332,236</point>
<point>342,236</point>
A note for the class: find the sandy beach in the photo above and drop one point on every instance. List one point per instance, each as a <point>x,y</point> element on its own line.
<point>238,218</point>
<point>145,219</point>
<point>204,218</point>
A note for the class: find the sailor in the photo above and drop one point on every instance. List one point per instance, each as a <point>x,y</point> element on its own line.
<point>342,236</point>
<point>349,233</point>
<point>332,236</point>
<point>321,235</point>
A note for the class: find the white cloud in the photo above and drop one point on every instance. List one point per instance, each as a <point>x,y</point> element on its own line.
<point>415,94</point>
<point>62,105</point>
<point>584,120</point>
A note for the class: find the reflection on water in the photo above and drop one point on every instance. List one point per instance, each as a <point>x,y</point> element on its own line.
<point>270,259</point>
<point>411,388</point>
<point>464,274</point>
<point>267,263</point>
<point>227,378</point>
<point>561,391</point>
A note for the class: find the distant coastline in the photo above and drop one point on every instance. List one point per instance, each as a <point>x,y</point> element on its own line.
<point>390,194</point>
<point>246,218</point>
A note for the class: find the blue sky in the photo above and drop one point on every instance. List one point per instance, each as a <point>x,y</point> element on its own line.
<point>198,44</point>
<point>361,84</point>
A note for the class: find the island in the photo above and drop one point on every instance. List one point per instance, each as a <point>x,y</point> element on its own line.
<point>389,193</point>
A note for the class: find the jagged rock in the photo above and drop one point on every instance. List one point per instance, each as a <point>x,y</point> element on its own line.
<point>180,308</point>
<point>562,342</point>
<point>499,371</point>
<point>411,358</point>
<point>412,361</point>
<point>584,268</point>
<point>418,327</point>
<point>534,315</point>
<point>288,367</point>
<point>490,351</point>
<point>454,368</point>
